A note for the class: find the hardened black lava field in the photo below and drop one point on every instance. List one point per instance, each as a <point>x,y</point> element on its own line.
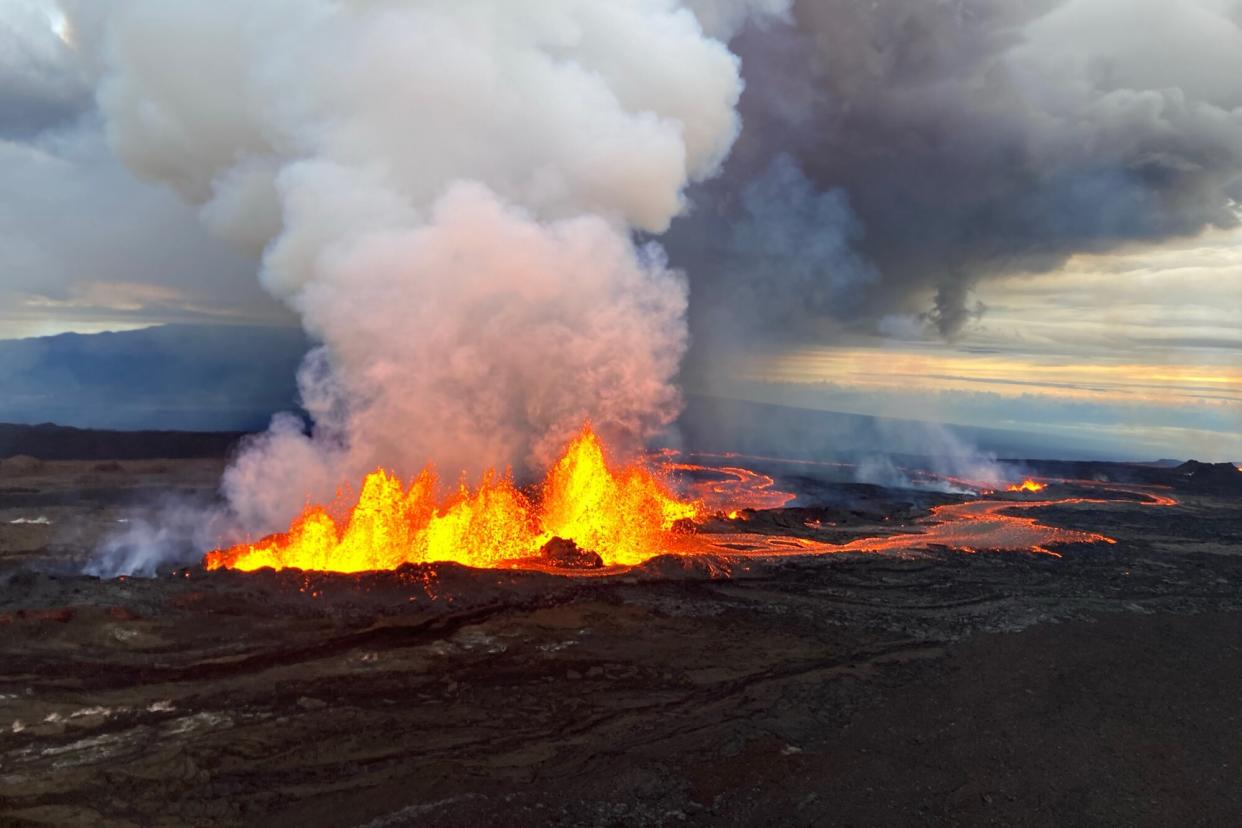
<point>927,686</point>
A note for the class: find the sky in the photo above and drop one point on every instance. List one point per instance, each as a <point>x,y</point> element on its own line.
<point>1138,353</point>
<point>86,246</point>
<point>1123,331</point>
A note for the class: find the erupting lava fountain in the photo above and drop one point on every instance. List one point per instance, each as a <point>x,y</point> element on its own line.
<point>626,515</point>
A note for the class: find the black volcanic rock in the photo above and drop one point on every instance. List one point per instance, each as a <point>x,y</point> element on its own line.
<point>1212,478</point>
<point>16,464</point>
<point>565,554</point>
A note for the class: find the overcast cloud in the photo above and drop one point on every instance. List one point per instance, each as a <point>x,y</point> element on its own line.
<point>85,245</point>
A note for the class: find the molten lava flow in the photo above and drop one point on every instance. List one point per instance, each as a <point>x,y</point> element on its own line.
<point>625,515</point>
<point>730,489</point>
<point>964,527</point>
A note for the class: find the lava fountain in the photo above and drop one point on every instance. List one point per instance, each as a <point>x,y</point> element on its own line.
<point>1031,486</point>
<point>624,514</point>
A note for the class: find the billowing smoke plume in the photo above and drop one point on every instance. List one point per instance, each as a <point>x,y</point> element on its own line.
<point>445,191</point>
<point>950,141</point>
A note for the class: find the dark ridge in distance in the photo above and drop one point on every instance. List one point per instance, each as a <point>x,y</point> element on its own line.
<point>48,441</point>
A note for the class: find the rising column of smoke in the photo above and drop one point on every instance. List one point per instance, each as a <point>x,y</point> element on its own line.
<point>445,192</point>
<point>968,139</point>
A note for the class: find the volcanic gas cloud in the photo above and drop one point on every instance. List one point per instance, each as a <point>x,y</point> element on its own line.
<point>447,194</point>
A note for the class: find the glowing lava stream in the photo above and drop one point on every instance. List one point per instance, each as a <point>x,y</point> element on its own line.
<point>730,489</point>
<point>980,525</point>
<point>626,515</point>
<point>974,526</point>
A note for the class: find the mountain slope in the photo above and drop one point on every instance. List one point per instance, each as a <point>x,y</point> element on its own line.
<point>197,378</point>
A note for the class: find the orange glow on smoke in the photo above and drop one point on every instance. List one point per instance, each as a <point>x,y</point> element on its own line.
<point>1027,486</point>
<point>625,515</point>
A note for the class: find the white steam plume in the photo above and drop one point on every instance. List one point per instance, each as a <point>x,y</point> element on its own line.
<point>445,191</point>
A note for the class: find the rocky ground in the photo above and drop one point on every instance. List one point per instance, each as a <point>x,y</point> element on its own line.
<point>931,687</point>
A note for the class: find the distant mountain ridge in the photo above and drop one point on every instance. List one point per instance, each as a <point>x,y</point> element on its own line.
<point>183,377</point>
<point>47,441</point>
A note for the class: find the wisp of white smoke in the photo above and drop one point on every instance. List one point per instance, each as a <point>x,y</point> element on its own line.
<point>447,193</point>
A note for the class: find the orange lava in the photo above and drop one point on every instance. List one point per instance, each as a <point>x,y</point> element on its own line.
<point>626,515</point>
<point>974,526</point>
<point>984,525</point>
<point>732,489</point>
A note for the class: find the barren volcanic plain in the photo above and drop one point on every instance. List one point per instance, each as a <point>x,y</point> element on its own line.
<point>884,684</point>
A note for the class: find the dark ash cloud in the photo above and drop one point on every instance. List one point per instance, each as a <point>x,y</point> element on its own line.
<point>965,140</point>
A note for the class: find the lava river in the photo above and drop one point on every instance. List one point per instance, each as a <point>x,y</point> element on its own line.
<point>612,517</point>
